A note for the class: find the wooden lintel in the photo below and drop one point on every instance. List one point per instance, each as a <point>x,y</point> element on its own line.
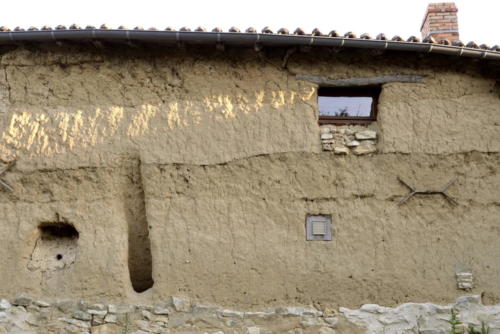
<point>353,82</point>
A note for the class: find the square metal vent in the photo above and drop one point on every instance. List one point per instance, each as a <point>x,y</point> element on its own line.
<point>319,228</point>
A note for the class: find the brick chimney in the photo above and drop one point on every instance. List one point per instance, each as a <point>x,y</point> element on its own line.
<point>441,21</point>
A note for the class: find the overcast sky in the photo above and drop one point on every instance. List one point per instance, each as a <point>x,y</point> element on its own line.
<point>478,19</point>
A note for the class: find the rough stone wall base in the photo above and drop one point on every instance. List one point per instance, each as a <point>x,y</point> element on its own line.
<point>26,316</point>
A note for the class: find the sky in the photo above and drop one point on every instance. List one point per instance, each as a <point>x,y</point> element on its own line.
<point>478,19</point>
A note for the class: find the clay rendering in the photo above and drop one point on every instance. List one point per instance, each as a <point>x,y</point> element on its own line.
<point>192,189</point>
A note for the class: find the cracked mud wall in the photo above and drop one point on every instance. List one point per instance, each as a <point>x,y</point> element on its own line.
<point>231,163</point>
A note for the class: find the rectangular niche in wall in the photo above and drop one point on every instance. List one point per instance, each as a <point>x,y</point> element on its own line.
<point>55,248</point>
<point>319,227</point>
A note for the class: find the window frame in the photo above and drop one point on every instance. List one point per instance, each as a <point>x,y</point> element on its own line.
<point>363,91</point>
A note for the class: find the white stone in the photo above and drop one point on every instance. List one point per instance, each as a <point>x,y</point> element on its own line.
<point>110,318</point>
<point>353,143</point>
<point>181,304</point>
<point>423,317</point>
<point>465,285</point>
<point>232,313</point>
<point>310,322</point>
<point>364,149</point>
<point>350,131</point>
<point>97,307</point>
<point>21,301</point>
<point>326,330</point>
<point>253,330</point>
<point>4,304</point>
<point>81,315</point>
<point>326,136</point>
<point>371,308</point>
<point>340,150</point>
<point>41,303</point>
<point>470,299</point>
<point>366,134</point>
<point>120,309</point>
<point>161,310</point>
<point>295,331</point>
<point>143,325</point>
<point>161,318</point>
<point>259,314</point>
<point>75,322</point>
<point>96,312</point>
<point>298,311</point>
<point>146,314</point>
<point>325,129</point>
<point>465,280</point>
<point>327,147</point>
<point>97,320</point>
<point>332,321</point>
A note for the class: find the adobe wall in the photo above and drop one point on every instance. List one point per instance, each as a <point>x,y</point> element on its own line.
<point>219,157</point>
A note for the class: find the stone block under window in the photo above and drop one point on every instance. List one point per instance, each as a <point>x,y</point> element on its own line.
<point>348,105</point>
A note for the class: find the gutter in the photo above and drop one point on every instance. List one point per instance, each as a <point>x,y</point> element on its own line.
<point>237,39</point>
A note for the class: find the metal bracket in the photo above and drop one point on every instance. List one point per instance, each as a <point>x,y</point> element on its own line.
<point>442,192</point>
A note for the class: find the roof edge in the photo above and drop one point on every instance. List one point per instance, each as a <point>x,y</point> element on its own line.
<point>247,39</point>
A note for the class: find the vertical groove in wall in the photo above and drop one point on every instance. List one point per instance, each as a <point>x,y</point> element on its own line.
<point>139,246</point>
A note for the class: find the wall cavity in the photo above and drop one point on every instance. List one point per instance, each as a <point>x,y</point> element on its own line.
<point>139,245</point>
<point>56,247</point>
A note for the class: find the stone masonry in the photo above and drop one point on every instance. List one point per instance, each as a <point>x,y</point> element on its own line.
<point>343,140</point>
<point>179,315</point>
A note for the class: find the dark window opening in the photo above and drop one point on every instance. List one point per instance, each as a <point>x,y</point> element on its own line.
<point>348,105</point>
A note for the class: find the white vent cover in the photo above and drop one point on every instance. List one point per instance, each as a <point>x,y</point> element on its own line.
<point>319,228</point>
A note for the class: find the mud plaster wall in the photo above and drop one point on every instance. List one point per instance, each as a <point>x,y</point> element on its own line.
<point>229,155</point>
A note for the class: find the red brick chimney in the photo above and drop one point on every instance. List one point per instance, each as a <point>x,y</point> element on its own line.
<point>441,21</point>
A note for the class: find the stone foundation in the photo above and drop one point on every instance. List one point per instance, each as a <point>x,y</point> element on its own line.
<point>178,315</point>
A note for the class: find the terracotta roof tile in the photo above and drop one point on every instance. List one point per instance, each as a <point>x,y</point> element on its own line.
<point>283,31</point>
<point>299,31</point>
<point>316,32</point>
<point>333,33</point>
